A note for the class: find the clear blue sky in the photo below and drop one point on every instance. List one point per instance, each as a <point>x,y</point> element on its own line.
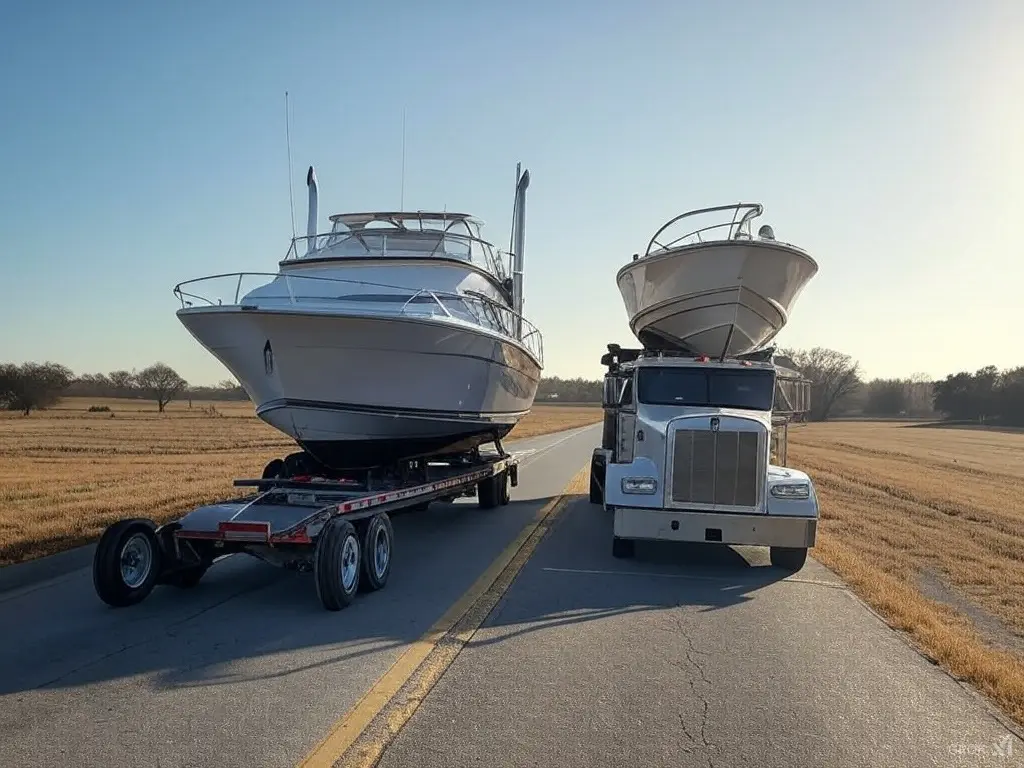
<point>143,144</point>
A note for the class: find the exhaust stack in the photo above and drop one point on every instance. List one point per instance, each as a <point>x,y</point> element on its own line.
<point>518,237</point>
<point>311,222</point>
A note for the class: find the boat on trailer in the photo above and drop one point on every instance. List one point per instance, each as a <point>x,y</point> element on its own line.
<point>395,335</point>
<point>713,288</point>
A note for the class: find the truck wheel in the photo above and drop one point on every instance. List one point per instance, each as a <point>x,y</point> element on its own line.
<point>377,544</point>
<point>336,564</point>
<point>487,493</point>
<point>622,548</point>
<point>789,558</point>
<point>126,564</point>
<point>596,496</point>
<point>504,489</point>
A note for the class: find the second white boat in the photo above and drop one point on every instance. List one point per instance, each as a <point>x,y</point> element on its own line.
<point>715,289</point>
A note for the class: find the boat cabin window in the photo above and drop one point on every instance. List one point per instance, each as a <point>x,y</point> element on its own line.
<point>417,239</point>
<point>708,387</point>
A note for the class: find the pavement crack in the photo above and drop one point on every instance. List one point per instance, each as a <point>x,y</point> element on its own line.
<point>692,655</point>
<point>91,662</point>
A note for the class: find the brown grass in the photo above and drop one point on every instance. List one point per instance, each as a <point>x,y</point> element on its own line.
<point>65,474</point>
<point>900,501</point>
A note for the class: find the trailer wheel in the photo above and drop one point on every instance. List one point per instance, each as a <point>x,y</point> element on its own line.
<point>126,564</point>
<point>504,490</point>
<point>622,548</point>
<point>789,558</point>
<point>488,493</point>
<point>336,564</point>
<point>377,544</point>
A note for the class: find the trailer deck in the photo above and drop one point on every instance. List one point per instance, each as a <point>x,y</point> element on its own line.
<point>337,528</point>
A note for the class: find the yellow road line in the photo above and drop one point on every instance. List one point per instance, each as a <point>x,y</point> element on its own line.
<point>456,626</point>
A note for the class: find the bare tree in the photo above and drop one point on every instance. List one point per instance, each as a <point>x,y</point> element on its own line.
<point>32,385</point>
<point>161,382</point>
<point>123,382</point>
<point>835,377</point>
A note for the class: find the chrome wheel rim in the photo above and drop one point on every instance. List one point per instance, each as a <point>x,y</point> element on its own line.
<point>381,551</point>
<point>136,560</point>
<point>349,562</point>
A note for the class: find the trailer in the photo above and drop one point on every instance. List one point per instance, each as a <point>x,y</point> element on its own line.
<point>334,525</point>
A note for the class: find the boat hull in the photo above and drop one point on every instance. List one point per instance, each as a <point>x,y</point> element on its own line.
<point>362,390</point>
<point>718,298</point>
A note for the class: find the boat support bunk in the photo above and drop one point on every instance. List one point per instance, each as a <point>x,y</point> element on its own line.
<point>340,533</point>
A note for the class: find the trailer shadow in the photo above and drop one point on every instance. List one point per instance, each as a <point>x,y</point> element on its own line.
<point>247,620</point>
<point>250,622</point>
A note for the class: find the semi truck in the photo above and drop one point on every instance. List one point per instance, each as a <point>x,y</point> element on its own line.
<point>694,449</point>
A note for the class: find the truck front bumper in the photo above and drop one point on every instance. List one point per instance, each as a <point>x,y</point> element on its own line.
<point>715,527</point>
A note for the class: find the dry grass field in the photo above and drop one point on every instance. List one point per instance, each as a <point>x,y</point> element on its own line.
<point>66,473</point>
<point>927,525</point>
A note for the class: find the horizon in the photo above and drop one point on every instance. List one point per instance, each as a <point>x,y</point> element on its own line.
<point>156,143</point>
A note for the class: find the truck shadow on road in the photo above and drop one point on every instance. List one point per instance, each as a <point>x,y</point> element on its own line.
<point>573,578</point>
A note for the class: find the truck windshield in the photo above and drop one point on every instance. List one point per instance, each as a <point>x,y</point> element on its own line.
<point>713,387</point>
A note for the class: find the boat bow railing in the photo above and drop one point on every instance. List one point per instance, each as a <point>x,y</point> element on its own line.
<point>312,289</point>
<point>736,228</point>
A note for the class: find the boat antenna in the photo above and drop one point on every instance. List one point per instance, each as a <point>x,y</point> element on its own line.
<point>288,141</point>
<point>401,205</point>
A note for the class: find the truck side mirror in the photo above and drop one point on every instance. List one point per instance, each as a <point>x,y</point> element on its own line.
<point>610,394</point>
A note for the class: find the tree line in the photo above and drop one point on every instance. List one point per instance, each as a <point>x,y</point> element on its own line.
<point>33,386</point>
<point>838,389</point>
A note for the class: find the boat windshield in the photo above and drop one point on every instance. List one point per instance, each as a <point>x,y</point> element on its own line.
<point>707,387</point>
<point>407,235</point>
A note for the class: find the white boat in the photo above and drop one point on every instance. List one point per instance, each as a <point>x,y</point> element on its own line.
<point>714,290</point>
<point>396,335</point>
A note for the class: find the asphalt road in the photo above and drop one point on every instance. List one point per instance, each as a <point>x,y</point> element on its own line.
<point>246,669</point>
<point>683,656</point>
<point>690,655</point>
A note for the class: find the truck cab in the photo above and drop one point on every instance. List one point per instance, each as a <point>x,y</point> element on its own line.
<point>694,449</point>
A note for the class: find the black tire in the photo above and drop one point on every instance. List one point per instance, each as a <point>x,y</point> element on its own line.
<point>295,464</point>
<point>337,546</point>
<point>116,586</point>
<point>622,548</point>
<point>596,495</point>
<point>377,533</point>
<point>789,558</point>
<point>504,489</point>
<point>275,468</point>
<point>488,493</point>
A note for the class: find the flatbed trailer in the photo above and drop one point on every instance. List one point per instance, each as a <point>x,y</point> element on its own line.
<point>337,528</point>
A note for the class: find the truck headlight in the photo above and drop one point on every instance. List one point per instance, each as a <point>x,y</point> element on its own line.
<point>639,485</point>
<point>791,490</point>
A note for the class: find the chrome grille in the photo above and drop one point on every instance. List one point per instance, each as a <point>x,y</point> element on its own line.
<point>715,467</point>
